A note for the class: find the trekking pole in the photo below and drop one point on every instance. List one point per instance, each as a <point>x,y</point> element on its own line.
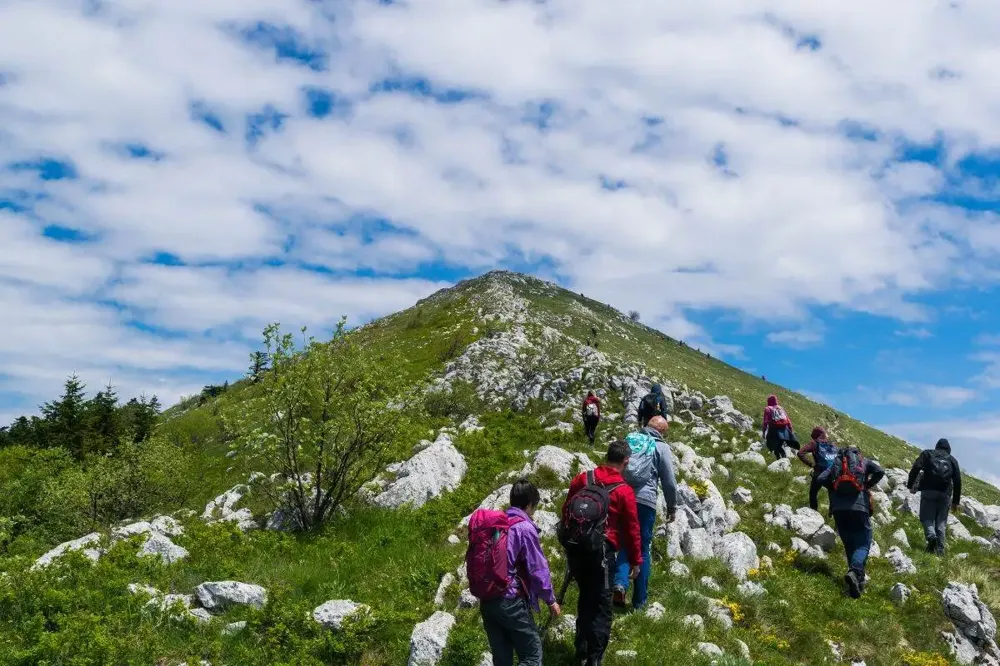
<point>567,579</point>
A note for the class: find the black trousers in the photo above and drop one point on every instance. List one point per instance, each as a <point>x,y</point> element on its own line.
<point>594,613</point>
<point>590,424</point>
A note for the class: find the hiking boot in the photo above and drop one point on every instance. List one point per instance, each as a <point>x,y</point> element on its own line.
<point>932,546</point>
<point>853,585</point>
<point>618,598</point>
<point>939,547</point>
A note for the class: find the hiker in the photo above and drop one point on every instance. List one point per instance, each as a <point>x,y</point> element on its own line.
<point>649,466</point>
<point>509,574</point>
<point>599,519</point>
<point>824,454</point>
<point>591,415</point>
<point>850,479</point>
<point>777,429</point>
<point>940,490</point>
<point>652,404</point>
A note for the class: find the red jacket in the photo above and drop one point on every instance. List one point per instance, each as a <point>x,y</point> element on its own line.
<point>592,399</point>
<point>623,516</point>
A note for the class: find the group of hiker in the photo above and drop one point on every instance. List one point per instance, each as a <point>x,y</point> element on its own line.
<point>608,521</point>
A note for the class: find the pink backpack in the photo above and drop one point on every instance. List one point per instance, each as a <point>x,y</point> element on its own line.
<point>486,558</point>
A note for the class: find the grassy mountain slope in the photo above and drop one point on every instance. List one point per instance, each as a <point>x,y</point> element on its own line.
<point>393,560</point>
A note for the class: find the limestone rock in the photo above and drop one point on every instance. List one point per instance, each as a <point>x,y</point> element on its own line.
<point>429,638</point>
<point>560,461</point>
<point>752,457</point>
<point>899,537</point>
<point>752,589</point>
<point>697,544</point>
<point>160,546</point>
<point>432,472</point>
<point>332,614</point>
<point>739,553</point>
<point>446,581</point>
<point>88,545</point>
<point>218,596</point>
<point>655,611</point>
<point>695,622</point>
<point>710,650</point>
<point>900,593</point>
<point>679,570</point>
<point>901,564</point>
<point>781,465</point>
<point>742,496</point>
<point>709,583</point>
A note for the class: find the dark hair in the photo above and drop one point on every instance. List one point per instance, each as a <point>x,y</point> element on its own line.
<point>524,494</point>
<point>618,452</point>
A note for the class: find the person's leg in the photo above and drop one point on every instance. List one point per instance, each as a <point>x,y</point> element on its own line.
<point>583,575</point>
<point>928,518</point>
<point>621,580</point>
<point>943,511</point>
<point>523,632</point>
<point>597,642</point>
<point>647,523</point>
<point>494,619</point>
<point>845,528</point>
<point>814,487</point>
<point>862,545</point>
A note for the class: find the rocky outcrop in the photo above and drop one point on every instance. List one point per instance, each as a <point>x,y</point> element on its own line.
<point>437,469</point>
<point>559,461</point>
<point>901,564</point>
<point>88,545</point>
<point>429,638</point>
<point>739,553</point>
<point>974,640</point>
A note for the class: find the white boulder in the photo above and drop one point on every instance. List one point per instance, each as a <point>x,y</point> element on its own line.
<point>218,596</point>
<point>437,469</point>
<point>332,614</point>
<point>429,638</point>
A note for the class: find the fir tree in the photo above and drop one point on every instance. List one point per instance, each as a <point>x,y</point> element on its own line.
<point>64,418</point>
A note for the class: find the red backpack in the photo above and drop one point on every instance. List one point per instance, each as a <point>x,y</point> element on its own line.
<point>779,417</point>
<point>486,557</point>
<point>851,474</point>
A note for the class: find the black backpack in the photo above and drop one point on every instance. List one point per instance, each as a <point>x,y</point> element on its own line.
<point>586,517</point>
<point>650,405</point>
<point>938,471</point>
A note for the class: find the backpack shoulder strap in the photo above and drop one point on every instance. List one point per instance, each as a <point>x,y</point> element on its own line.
<point>591,478</point>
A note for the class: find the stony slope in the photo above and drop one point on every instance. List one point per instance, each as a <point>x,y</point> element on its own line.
<point>493,371</point>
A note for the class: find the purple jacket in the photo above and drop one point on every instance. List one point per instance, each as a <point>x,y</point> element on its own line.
<point>524,554</point>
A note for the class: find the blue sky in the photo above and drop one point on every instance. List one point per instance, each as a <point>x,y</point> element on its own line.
<point>808,191</point>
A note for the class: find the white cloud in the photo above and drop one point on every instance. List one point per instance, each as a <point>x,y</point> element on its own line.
<point>919,333</point>
<point>974,440</point>
<point>813,217</point>
<point>922,395</point>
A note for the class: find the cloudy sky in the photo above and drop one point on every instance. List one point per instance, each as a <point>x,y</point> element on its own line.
<point>810,189</point>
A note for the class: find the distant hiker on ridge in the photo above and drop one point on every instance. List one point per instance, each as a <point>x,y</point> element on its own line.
<point>599,518</point>
<point>591,415</point>
<point>509,574</point>
<point>649,466</point>
<point>824,454</point>
<point>777,428</point>
<point>940,489</point>
<point>652,404</point>
<point>851,478</point>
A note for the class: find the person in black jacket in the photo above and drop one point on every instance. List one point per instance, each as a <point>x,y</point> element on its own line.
<point>652,404</point>
<point>940,487</point>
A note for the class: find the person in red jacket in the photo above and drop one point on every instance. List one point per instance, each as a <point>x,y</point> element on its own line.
<point>591,415</point>
<point>595,575</point>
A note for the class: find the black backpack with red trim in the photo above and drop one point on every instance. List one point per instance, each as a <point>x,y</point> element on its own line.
<point>586,518</point>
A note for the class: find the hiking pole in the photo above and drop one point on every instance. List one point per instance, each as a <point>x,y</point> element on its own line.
<point>567,579</point>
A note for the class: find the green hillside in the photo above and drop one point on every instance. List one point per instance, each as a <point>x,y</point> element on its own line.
<point>515,354</point>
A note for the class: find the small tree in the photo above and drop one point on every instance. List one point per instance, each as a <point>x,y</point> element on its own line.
<point>634,315</point>
<point>258,365</point>
<point>320,419</point>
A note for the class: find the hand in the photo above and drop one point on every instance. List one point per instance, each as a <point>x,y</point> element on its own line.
<point>634,574</point>
<point>671,514</point>
<point>556,610</point>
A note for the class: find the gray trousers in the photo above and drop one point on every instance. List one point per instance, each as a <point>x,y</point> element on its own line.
<point>510,627</point>
<point>934,508</point>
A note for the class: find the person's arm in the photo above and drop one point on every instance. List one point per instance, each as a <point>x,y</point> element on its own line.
<point>915,471</point>
<point>539,577</point>
<point>665,469</point>
<point>664,412</point>
<point>804,454</point>
<point>956,475</point>
<point>826,476</point>
<point>874,474</point>
<point>766,421</point>
<point>629,520</point>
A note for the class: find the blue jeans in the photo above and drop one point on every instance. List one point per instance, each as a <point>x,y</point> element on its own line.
<point>855,530</point>
<point>647,521</point>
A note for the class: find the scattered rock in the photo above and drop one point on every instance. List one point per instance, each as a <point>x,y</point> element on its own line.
<point>782,465</point>
<point>679,570</point>
<point>899,537</point>
<point>697,544</point>
<point>742,496</point>
<point>744,650</point>
<point>432,472</point>
<point>626,654</point>
<point>900,593</point>
<point>454,540</point>
<point>86,545</point>
<point>160,546</point>
<point>219,596</point>
<point>446,581</point>
<point>234,628</point>
<point>655,611</point>
<point>429,638</point>
<point>709,583</point>
<point>803,548</point>
<point>901,564</point>
<point>752,589</point>
<point>467,600</point>
<point>710,650</point>
<point>332,614</point>
<point>739,553</point>
<point>753,457</point>
<point>695,622</point>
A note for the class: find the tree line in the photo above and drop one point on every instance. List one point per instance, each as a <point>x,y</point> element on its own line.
<point>85,426</point>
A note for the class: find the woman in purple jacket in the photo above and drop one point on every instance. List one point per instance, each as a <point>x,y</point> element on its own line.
<point>509,622</point>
